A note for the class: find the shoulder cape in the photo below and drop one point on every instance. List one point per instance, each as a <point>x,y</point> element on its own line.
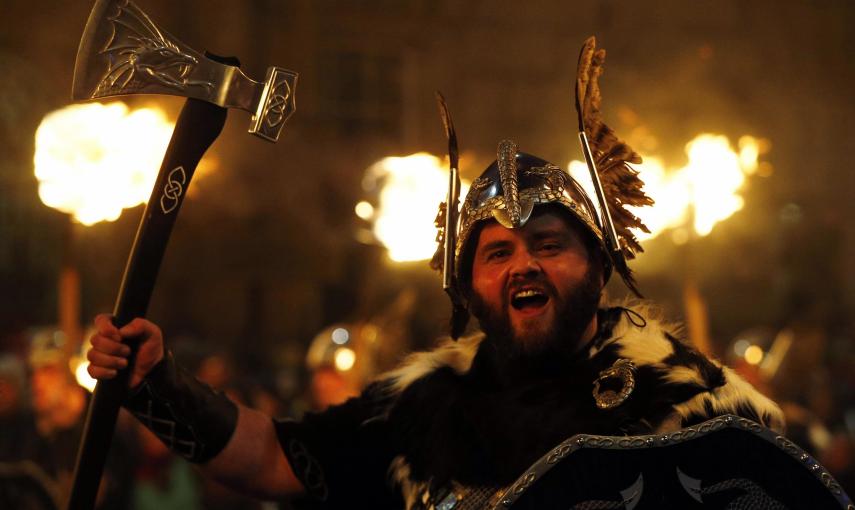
<point>677,387</point>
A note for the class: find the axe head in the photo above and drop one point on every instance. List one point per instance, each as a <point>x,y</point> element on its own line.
<point>122,52</point>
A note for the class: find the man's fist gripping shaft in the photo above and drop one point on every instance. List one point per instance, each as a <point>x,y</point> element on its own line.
<point>109,354</point>
<point>235,445</point>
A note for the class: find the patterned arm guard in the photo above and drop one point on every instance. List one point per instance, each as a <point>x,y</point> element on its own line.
<point>188,416</point>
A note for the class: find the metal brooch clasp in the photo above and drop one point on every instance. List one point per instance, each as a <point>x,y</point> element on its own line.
<point>622,369</point>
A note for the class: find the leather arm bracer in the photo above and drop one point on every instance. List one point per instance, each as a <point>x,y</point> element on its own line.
<point>189,417</point>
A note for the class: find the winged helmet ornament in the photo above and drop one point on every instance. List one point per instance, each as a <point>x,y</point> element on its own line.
<point>611,158</point>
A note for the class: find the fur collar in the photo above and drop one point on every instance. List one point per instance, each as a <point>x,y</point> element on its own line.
<point>453,433</point>
<point>656,345</point>
<point>651,343</point>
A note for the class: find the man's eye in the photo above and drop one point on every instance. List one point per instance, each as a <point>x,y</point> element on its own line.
<point>497,255</point>
<point>550,247</point>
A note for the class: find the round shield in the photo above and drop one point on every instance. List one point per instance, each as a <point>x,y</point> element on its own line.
<point>724,463</point>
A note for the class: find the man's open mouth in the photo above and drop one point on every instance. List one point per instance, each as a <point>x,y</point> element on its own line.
<point>528,299</point>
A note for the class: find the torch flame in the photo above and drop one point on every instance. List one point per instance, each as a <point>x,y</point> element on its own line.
<point>714,175</point>
<point>412,188</point>
<point>93,160</point>
<point>705,191</point>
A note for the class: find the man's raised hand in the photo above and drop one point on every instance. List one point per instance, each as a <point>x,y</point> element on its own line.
<point>108,354</point>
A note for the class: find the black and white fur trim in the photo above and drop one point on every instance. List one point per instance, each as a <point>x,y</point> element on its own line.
<point>655,345</point>
<point>684,385</point>
<point>457,355</point>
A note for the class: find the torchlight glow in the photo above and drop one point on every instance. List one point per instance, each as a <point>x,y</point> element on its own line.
<point>364,210</point>
<point>80,368</point>
<point>740,346</point>
<point>412,188</point>
<point>754,355</point>
<point>714,174</point>
<point>707,187</point>
<point>340,336</point>
<point>93,160</point>
<point>344,358</point>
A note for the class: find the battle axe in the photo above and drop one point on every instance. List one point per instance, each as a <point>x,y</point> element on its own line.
<point>123,52</point>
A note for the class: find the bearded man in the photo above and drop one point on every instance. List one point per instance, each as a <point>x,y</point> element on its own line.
<point>456,426</point>
<point>468,418</point>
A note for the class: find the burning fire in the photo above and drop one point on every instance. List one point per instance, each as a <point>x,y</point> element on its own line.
<point>93,160</point>
<point>412,188</point>
<point>705,191</point>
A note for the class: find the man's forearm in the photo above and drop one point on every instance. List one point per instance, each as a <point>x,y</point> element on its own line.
<point>253,462</point>
<point>235,445</point>
<point>190,418</point>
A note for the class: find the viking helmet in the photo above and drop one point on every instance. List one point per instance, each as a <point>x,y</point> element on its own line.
<point>516,182</point>
<point>509,190</point>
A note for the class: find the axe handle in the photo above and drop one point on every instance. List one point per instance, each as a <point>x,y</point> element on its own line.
<point>197,127</point>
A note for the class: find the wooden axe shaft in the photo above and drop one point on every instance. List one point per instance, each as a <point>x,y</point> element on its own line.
<point>197,127</point>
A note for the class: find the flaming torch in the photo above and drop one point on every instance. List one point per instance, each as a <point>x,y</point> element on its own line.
<point>93,160</point>
<point>691,200</point>
<point>698,195</point>
<point>409,190</point>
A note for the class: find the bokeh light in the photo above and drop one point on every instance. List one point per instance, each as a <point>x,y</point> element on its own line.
<point>344,358</point>
<point>364,210</point>
<point>340,336</point>
<point>80,365</point>
<point>754,355</point>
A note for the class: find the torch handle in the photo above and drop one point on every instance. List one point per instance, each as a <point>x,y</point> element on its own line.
<point>197,127</point>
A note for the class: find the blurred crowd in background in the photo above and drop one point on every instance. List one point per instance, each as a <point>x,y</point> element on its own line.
<point>43,404</point>
<point>44,395</point>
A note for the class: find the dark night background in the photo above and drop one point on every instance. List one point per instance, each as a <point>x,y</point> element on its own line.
<point>264,255</point>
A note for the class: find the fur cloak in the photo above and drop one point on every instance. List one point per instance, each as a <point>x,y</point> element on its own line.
<point>461,425</point>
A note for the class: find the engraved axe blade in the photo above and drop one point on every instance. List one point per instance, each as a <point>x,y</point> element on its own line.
<point>123,52</point>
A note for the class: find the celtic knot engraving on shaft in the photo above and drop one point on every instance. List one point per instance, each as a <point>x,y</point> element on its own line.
<point>173,189</point>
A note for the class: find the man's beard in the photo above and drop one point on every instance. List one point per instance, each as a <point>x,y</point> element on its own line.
<point>559,341</point>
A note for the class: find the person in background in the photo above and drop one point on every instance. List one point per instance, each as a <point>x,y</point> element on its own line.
<point>58,404</point>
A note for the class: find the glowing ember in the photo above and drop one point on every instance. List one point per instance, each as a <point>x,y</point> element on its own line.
<point>93,160</point>
<point>706,188</point>
<point>412,188</point>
